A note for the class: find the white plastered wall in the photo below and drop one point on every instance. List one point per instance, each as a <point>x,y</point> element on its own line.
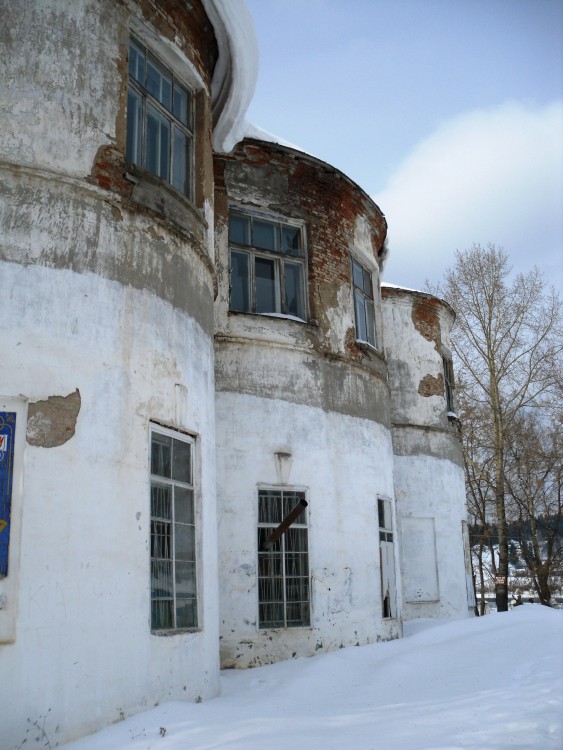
<point>428,468</point>
<point>83,654</point>
<point>343,463</point>
<point>429,493</point>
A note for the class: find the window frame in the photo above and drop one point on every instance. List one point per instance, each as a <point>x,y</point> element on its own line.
<point>449,386</point>
<point>301,523</point>
<point>387,568</point>
<point>189,486</point>
<point>280,258</point>
<point>363,294</point>
<point>137,154</point>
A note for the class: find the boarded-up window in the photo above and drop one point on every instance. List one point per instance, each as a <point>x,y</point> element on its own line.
<point>420,571</point>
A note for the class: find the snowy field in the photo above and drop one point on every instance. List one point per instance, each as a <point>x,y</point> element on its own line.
<point>494,682</point>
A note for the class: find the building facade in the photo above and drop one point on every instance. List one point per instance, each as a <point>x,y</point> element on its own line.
<point>210,446</point>
<point>303,407</point>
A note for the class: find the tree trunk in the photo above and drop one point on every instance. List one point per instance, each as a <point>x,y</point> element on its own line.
<point>501,578</point>
<point>482,603</point>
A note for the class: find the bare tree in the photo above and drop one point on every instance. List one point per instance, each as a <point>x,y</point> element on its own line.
<point>479,486</point>
<point>507,343</point>
<point>534,480</point>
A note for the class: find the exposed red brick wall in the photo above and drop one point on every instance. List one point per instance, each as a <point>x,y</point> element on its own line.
<point>52,422</point>
<point>187,25</point>
<point>431,386</point>
<point>327,201</point>
<point>426,319</point>
<point>108,171</point>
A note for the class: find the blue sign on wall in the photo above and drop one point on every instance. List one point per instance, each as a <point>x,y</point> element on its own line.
<point>7,435</point>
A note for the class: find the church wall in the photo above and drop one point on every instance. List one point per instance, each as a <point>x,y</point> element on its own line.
<point>308,390</point>
<point>106,298</point>
<point>428,463</point>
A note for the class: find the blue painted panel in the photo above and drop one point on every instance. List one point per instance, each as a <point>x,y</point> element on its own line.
<point>7,436</point>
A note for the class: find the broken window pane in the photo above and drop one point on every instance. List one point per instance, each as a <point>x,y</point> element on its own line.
<point>291,240</point>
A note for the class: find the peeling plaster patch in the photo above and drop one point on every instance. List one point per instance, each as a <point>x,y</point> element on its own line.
<point>426,320</point>
<point>52,422</point>
<point>431,386</point>
<point>363,240</point>
<point>333,299</point>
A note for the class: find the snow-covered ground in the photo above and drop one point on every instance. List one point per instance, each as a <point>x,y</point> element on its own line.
<point>493,682</point>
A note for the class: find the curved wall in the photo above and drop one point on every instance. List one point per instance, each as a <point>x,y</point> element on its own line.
<point>106,298</point>
<point>428,461</point>
<point>307,389</point>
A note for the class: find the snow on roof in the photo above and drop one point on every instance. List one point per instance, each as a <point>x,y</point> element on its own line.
<point>236,71</point>
<point>235,75</point>
<point>403,288</point>
<point>253,131</point>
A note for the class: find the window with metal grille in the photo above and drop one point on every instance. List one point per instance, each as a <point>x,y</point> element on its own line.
<point>283,567</point>
<point>267,263</point>
<point>159,120</point>
<point>364,309</point>
<point>173,554</point>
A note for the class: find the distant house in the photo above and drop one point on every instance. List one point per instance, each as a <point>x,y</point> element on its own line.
<point>222,439</point>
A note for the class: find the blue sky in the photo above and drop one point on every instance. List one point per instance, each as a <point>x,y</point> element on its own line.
<point>448,112</point>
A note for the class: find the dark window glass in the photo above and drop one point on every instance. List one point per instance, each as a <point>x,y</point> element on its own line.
<point>134,127</point>
<point>239,229</point>
<point>180,161</point>
<point>265,279</point>
<point>264,235</point>
<point>158,120</point>
<point>364,309</point>
<point>240,297</point>
<point>293,290</point>
<point>158,143</point>
<point>181,104</point>
<point>137,63</point>
<point>159,83</point>
<point>270,276</point>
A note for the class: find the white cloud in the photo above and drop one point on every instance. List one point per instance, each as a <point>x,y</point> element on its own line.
<point>493,175</point>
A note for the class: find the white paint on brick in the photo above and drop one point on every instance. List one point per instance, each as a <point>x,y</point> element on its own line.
<point>343,464</point>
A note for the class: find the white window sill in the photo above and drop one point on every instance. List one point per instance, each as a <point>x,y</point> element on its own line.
<point>367,345</point>
<point>272,315</point>
<point>281,315</point>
